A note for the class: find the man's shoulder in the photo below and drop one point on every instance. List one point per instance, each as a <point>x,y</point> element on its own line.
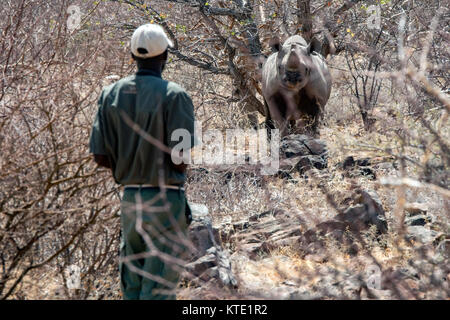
<point>174,89</point>
<point>118,84</point>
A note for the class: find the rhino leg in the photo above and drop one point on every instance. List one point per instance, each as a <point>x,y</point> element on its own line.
<point>310,114</point>
<point>269,123</point>
<point>253,119</point>
<point>280,108</point>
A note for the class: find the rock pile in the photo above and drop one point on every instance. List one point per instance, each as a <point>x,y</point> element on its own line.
<point>419,224</point>
<point>261,233</point>
<point>300,153</point>
<point>209,262</point>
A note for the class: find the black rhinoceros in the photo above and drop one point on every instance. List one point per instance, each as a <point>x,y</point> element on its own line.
<point>296,85</point>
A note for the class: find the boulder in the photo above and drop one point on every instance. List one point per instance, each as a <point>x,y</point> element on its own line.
<point>417,214</point>
<point>300,144</point>
<point>418,220</point>
<point>358,167</point>
<point>368,211</point>
<point>209,262</point>
<point>313,242</point>
<point>202,264</point>
<point>302,153</point>
<point>306,163</point>
<point>292,147</point>
<point>214,266</point>
<point>201,232</point>
<point>422,234</point>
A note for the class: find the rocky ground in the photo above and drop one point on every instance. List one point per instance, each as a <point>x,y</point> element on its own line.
<point>331,234</point>
<point>356,254</point>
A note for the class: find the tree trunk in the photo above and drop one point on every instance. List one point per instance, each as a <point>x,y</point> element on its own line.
<point>304,18</point>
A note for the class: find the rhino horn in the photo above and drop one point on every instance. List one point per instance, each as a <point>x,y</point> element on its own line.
<point>293,61</point>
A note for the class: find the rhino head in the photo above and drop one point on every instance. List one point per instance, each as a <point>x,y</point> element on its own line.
<point>294,63</point>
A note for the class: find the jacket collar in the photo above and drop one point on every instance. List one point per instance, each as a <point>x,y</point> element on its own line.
<point>148,72</point>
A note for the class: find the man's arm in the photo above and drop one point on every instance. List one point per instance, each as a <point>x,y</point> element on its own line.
<point>97,140</point>
<point>102,161</point>
<point>180,115</point>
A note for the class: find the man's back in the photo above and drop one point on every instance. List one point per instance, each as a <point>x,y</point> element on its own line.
<point>158,107</point>
<point>131,112</point>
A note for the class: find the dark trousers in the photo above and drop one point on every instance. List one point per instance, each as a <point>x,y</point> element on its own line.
<point>153,238</point>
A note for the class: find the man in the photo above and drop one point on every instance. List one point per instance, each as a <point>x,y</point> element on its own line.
<point>131,135</point>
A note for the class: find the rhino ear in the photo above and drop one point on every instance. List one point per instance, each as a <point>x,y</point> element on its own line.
<point>314,45</point>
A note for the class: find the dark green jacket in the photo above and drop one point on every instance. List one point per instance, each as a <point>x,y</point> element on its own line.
<point>158,107</point>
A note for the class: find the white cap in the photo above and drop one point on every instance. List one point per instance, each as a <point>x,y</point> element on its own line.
<point>150,37</point>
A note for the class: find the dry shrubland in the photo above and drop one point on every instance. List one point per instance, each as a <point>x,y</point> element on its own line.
<point>389,101</point>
